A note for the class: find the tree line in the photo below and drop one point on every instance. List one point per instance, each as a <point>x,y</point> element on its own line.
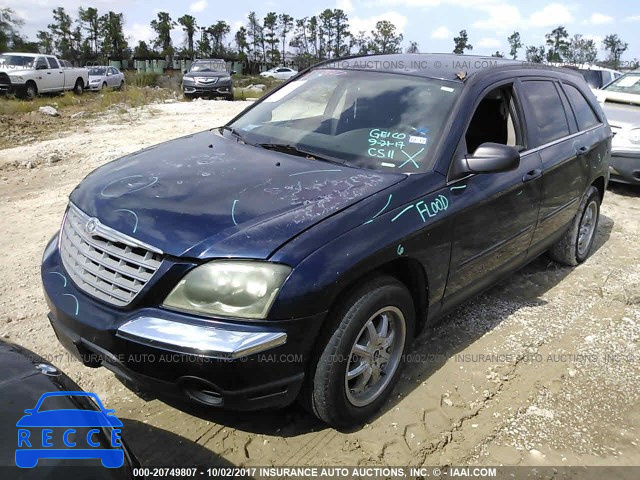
<point>559,47</point>
<point>274,39</point>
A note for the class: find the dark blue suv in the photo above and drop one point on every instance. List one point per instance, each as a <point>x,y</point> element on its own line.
<point>295,251</point>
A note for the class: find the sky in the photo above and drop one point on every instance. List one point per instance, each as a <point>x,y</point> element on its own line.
<point>431,23</point>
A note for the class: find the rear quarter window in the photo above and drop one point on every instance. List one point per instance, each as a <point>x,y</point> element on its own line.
<point>585,115</point>
<point>546,114</point>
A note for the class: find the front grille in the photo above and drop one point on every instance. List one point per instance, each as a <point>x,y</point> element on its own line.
<point>105,263</point>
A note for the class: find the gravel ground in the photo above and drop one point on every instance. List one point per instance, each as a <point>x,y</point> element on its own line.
<point>541,370</point>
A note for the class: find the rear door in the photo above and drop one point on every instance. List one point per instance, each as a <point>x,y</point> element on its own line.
<point>554,134</point>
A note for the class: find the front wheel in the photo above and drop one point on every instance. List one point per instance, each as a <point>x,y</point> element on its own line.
<point>574,247</point>
<point>121,85</point>
<point>361,361</point>
<point>31,90</point>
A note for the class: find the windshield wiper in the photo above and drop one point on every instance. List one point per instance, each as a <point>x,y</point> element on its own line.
<point>293,150</point>
<point>234,132</point>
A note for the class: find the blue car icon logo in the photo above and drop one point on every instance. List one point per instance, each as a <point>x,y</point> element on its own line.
<point>65,433</point>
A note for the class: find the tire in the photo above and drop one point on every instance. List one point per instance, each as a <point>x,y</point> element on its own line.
<point>121,85</point>
<point>574,247</point>
<point>189,96</point>
<point>78,88</point>
<point>333,396</point>
<point>229,97</point>
<point>104,85</point>
<point>31,91</point>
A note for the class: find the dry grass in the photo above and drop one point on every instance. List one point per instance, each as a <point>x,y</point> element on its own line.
<point>89,102</point>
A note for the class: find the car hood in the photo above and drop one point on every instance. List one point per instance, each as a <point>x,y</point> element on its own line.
<point>623,116</point>
<point>97,77</point>
<point>14,70</point>
<point>207,196</point>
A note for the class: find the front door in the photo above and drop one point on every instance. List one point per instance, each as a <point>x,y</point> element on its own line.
<point>494,232</point>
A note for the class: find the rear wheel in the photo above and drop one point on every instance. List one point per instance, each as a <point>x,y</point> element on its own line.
<point>104,85</point>
<point>574,247</point>
<point>78,88</point>
<point>361,361</point>
<point>121,85</point>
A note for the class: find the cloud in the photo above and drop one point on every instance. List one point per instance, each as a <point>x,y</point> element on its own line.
<point>502,18</point>
<point>489,43</point>
<point>553,14</point>
<point>599,19</point>
<point>366,24</point>
<point>634,18</point>
<point>139,32</point>
<point>345,5</point>
<point>197,7</point>
<point>442,33</point>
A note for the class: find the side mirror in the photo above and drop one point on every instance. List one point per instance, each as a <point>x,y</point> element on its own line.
<point>184,71</point>
<point>488,158</point>
<point>233,72</point>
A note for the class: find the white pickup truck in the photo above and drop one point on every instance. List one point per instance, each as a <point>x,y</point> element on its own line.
<point>28,74</point>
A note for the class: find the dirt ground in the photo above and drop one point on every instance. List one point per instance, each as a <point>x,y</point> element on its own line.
<point>541,370</point>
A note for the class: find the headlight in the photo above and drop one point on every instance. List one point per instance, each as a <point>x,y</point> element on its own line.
<point>230,288</point>
<point>634,136</point>
<point>187,79</point>
<point>224,79</point>
<point>95,80</point>
<point>16,79</point>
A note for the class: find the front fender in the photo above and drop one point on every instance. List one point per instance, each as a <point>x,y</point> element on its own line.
<point>410,230</point>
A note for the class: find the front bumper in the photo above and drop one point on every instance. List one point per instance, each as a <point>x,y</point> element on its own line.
<point>234,364</point>
<point>625,166</point>
<point>94,86</point>
<point>215,89</point>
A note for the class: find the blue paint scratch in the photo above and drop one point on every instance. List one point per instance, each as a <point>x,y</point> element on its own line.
<point>63,277</point>
<point>135,226</point>
<point>233,212</point>
<point>315,171</point>
<point>75,298</point>
<point>405,210</point>
<point>383,209</point>
<point>459,187</point>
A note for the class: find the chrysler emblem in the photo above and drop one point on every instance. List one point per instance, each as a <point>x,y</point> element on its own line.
<point>91,226</point>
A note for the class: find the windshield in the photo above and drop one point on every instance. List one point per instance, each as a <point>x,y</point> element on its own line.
<point>17,61</point>
<point>209,67</point>
<point>629,83</point>
<point>98,71</point>
<point>374,120</point>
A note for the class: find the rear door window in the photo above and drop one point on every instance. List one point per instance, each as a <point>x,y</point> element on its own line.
<point>585,115</point>
<point>546,114</point>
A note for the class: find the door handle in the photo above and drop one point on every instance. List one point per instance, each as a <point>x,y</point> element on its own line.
<point>532,175</point>
<point>582,151</point>
<point>48,73</point>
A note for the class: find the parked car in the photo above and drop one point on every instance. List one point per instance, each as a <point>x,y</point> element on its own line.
<point>105,77</point>
<point>621,103</point>
<point>30,74</point>
<point>208,78</point>
<point>281,73</point>
<point>598,77</point>
<point>30,380</point>
<point>295,251</point>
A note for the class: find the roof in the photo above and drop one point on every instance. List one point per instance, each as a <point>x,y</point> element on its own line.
<point>34,55</point>
<point>431,65</point>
